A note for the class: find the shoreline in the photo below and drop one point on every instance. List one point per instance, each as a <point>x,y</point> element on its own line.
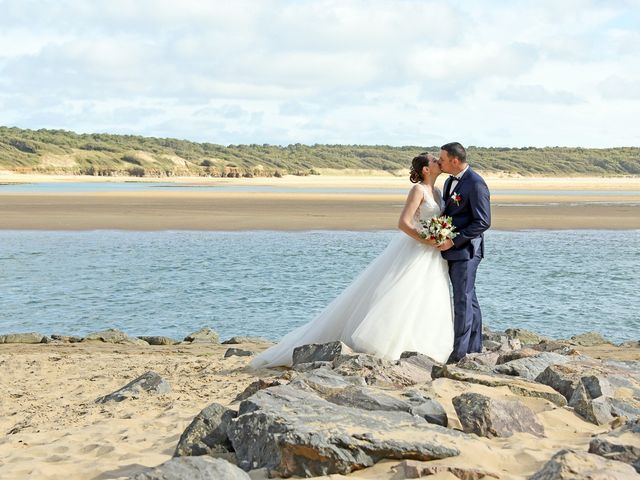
<point>299,211</point>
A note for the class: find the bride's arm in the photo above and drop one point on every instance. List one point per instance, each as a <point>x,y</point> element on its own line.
<point>405,223</point>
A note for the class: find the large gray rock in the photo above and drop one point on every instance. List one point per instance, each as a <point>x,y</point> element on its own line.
<point>526,337</point>
<point>417,366</point>
<point>490,417</point>
<point>113,335</point>
<point>207,434</point>
<point>429,409</point>
<point>257,385</point>
<point>563,378</point>
<point>517,385</point>
<point>499,342</point>
<point>149,382</point>
<point>480,362</point>
<point>531,367</point>
<point>554,346</point>
<point>589,339</point>
<point>415,469</point>
<point>325,382</point>
<point>319,352</point>
<point>204,335</point>
<point>237,352</point>
<point>290,431</point>
<point>516,355</point>
<point>159,340</point>
<point>193,468</point>
<point>30,337</point>
<point>377,371</point>
<point>622,444</point>
<point>305,367</point>
<point>595,410</point>
<point>577,465</point>
<point>612,379</point>
<point>240,339</point>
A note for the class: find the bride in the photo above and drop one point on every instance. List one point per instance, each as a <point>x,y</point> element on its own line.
<point>400,302</point>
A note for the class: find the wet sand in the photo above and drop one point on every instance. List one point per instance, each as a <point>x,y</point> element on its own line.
<point>210,210</point>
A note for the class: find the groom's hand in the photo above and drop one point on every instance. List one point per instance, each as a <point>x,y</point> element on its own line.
<point>445,246</point>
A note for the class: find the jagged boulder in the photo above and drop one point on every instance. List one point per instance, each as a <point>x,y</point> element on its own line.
<point>532,366</point>
<point>237,352</point>
<point>207,434</point>
<point>517,385</point>
<point>595,410</point>
<point>574,465</point>
<point>258,385</point>
<point>589,339</point>
<point>417,366</point>
<point>481,362</point>
<point>490,417</point>
<point>563,378</point>
<point>113,335</point>
<point>499,342</point>
<point>291,431</point>
<point>204,335</point>
<point>149,382</point>
<point>377,371</point>
<point>557,347</point>
<point>193,468</point>
<point>31,337</point>
<point>621,444</point>
<point>516,355</point>
<point>326,382</point>
<point>319,352</point>
<point>308,366</point>
<point>526,337</point>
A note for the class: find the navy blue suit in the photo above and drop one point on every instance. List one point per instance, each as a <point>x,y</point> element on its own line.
<point>471,215</point>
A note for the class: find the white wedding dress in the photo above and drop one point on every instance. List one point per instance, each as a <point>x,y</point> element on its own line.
<point>400,302</point>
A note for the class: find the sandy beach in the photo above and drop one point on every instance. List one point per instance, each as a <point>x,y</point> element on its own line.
<point>51,427</point>
<point>211,210</point>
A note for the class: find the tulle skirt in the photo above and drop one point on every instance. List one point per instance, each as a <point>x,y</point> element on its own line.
<point>400,302</point>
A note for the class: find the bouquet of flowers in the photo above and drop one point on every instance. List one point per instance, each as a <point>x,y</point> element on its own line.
<point>439,229</point>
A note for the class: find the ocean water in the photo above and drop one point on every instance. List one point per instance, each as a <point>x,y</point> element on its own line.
<point>171,283</point>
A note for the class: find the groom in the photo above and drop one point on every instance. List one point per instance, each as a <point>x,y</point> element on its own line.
<point>466,197</point>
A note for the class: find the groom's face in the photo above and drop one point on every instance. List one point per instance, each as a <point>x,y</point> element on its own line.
<point>446,162</point>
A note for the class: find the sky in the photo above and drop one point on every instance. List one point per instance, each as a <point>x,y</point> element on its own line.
<point>485,73</point>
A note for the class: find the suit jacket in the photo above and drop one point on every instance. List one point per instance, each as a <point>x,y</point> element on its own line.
<point>471,215</point>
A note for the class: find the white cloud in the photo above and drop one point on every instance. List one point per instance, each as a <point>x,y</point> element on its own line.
<point>402,72</point>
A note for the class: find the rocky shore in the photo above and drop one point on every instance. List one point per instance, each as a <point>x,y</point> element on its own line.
<point>109,406</point>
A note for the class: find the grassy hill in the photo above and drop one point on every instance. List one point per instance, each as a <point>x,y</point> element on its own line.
<point>62,152</point>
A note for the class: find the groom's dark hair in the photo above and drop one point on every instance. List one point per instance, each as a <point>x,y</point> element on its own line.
<point>454,149</point>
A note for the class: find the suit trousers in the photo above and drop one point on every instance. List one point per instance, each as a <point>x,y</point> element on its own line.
<point>467,320</point>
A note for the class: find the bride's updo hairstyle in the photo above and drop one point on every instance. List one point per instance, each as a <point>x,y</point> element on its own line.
<point>415,174</point>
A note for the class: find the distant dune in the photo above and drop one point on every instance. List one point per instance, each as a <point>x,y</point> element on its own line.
<point>68,153</point>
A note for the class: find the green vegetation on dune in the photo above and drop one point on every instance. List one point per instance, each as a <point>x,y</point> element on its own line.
<point>62,152</point>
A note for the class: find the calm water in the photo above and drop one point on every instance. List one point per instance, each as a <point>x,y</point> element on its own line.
<point>265,283</point>
<point>87,187</point>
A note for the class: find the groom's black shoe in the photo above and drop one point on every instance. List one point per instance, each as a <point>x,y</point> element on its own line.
<point>452,360</point>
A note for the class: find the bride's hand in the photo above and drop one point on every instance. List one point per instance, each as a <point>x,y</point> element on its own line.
<point>430,241</point>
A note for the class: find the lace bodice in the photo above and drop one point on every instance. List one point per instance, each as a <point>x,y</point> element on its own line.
<point>430,206</point>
